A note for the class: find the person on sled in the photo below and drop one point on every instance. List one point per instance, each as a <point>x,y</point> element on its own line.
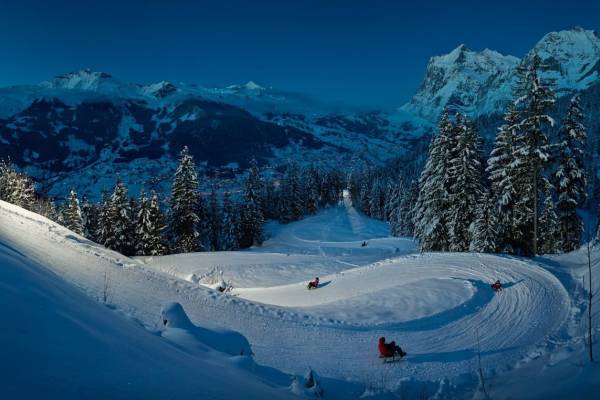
<point>313,284</point>
<point>390,349</point>
<point>497,286</point>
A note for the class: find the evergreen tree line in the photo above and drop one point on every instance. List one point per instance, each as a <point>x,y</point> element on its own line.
<point>194,221</point>
<point>523,199</point>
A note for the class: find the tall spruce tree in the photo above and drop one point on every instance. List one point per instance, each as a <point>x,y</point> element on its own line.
<point>465,184</point>
<point>104,228</point>
<point>89,216</point>
<point>119,216</point>
<point>570,177</point>
<point>251,219</point>
<point>231,230</point>
<point>503,173</point>
<point>485,229</point>
<point>184,204</point>
<point>533,151</point>
<point>149,227</point>
<point>215,220</point>
<point>549,228</point>
<point>431,210</point>
<point>72,214</point>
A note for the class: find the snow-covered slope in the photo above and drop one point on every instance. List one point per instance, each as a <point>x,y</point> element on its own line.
<point>434,305</point>
<point>58,343</point>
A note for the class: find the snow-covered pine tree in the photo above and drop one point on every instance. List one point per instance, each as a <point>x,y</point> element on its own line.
<point>215,220</point>
<point>465,179</point>
<point>312,189</point>
<point>149,227</point>
<point>104,228</point>
<point>393,201</point>
<point>16,188</point>
<point>485,229</point>
<point>89,218</point>
<point>72,214</point>
<point>251,219</point>
<point>292,195</point>
<point>184,203</point>
<point>231,232</point>
<point>431,210</point>
<point>503,171</point>
<point>570,177</point>
<point>533,149</point>
<point>122,237</point>
<point>549,230</point>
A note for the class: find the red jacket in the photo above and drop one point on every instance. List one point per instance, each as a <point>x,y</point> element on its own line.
<point>384,349</point>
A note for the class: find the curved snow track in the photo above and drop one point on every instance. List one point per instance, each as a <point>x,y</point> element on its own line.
<point>434,305</point>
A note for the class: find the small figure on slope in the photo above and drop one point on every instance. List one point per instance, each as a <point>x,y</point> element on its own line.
<point>313,284</point>
<point>497,286</point>
<point>364,244</point>
<point>389,350</point>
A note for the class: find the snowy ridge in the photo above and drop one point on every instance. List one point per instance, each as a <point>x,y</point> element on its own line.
<point>481,83</point>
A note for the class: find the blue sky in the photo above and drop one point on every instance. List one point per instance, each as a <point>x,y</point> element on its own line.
<point>357,52</point>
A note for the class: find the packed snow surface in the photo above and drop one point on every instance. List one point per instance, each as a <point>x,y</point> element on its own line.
<point>437,306</point>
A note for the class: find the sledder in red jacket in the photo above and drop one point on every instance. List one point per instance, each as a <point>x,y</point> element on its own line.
<point>497,286</point>
<point>313,284</point>
<point>389,349</point>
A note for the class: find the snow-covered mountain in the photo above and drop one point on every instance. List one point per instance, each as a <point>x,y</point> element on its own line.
<point>82,128</point>
<point>481,83</point>
<point>464,79</point>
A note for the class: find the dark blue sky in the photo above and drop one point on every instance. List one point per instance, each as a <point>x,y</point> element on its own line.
<point>359,52</point>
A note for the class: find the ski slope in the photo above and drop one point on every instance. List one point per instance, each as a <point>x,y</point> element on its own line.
<point>435,305</point>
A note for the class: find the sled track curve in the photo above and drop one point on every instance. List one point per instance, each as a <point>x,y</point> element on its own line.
<point>510,324</point>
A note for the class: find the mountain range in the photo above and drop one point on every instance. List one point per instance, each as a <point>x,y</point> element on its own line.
<point>83,128</point>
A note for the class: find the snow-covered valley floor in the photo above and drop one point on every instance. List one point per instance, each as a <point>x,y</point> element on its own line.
<point>437,306</point>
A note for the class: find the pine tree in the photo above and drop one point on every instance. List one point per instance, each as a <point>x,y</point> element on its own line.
<point>122,237</point>
<point>485,229</point>
<point>104,229</point>
<point>16,188</point>
<point>215,220</point>
<point>251,219</point>
<point>72,214</point>
<point>231,232</point>
<point>465,188</point>
<point>533,149</point>
<point>89,216</point>
<point>313,189</point>
<point>292,204</point>
<point>503,171</point>
<point>150,224</point>
<point>549,228</point>
<point>570,177</point>
<point>184,203</point>
<point>431,211</point>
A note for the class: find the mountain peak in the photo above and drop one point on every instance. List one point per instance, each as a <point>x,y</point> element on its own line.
<point>85,79</point>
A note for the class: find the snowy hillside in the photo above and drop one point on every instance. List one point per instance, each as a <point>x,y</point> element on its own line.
<point>434,305</point>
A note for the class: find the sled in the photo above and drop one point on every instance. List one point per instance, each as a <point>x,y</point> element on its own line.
<point>392,359</point>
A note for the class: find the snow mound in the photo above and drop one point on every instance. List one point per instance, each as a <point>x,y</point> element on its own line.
<point>179,329</point>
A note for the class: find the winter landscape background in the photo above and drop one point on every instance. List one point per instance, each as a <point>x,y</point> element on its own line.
<point>156,240</point>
